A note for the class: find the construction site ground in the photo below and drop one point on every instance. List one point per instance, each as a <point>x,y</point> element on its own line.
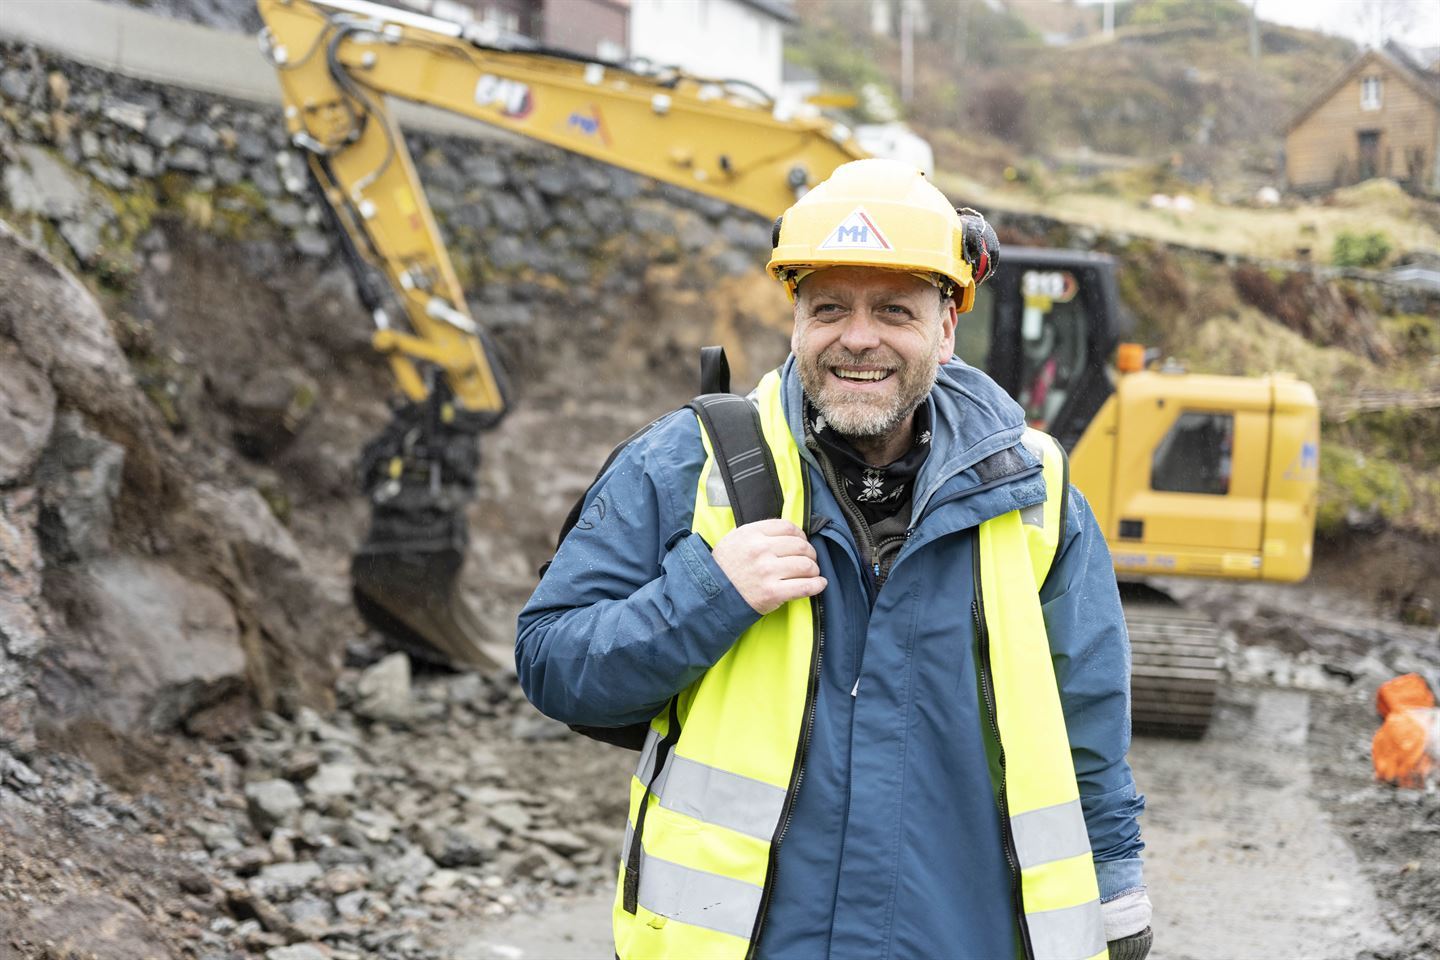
<point>1266,838</point>
<point>1258,845</point>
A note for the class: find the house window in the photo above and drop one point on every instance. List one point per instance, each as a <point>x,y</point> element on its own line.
<point>1370,93</point>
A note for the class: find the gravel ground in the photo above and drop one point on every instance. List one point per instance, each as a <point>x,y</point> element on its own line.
<point>421,801</point>
<point>438,816</point>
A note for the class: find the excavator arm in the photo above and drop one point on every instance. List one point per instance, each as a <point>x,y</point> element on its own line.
<point>338,62</point>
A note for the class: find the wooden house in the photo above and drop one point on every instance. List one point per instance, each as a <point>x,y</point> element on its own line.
<point>1379,118</point>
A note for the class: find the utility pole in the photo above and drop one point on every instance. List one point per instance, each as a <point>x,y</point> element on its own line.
<point>907,51</point>
<point>1109,18</point>
<point>1254,31</point>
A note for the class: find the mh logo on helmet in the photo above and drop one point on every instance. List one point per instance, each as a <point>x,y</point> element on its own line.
<point>856,232</point>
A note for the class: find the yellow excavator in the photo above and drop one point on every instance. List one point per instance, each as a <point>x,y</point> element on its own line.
<point>1188,475</point>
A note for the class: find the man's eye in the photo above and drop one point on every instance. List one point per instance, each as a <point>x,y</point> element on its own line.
<point>827,309</point>
<point>895,310</point>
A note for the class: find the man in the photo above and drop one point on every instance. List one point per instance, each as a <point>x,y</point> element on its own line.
<point>858,746</point>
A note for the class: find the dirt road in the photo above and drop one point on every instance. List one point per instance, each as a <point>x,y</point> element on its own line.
<point>1241,860</point>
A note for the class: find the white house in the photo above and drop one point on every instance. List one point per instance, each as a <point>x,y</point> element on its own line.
<point>718,39</point>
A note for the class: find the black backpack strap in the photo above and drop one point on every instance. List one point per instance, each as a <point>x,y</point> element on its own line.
<point>741,455</point>
<point>714,371</point>
<point>751,482</point>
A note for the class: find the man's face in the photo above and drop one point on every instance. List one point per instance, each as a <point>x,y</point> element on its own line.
<point>868,344</point>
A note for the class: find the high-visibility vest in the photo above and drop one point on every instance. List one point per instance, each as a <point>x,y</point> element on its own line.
<point>710,800</point>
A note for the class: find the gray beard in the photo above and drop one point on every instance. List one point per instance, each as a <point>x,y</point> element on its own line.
<point>863,420</point>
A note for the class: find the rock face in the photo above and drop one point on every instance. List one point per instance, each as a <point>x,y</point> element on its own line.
<point>175,469</point>
<point>92,554</point>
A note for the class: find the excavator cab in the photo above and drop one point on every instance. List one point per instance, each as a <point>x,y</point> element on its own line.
<point>1045,328</point>
<point>1187,474</point>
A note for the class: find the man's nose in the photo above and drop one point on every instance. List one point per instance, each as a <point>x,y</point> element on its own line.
<point>861,333</point>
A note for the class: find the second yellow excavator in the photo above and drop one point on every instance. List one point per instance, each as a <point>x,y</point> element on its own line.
<point>1188,475</point>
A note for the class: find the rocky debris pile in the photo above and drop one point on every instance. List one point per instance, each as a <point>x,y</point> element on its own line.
<point>418,803</point>
<point>1307,637</point>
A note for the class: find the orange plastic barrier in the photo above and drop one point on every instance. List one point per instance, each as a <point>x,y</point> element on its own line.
<point>1402,750</point>
<point>1402,693</point>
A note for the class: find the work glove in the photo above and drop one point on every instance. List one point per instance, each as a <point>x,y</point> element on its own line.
<point>1133,947</point>
<point>1127,925</point>
<point>979,244</point>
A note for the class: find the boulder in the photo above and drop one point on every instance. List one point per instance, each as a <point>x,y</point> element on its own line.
<point>384,690</point>
<point>295,651</point>
<point>61,330</point>
<point>145,647</point>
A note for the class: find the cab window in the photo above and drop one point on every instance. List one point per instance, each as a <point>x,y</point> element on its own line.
<point>1194,456</point>
<point>1053,343</point>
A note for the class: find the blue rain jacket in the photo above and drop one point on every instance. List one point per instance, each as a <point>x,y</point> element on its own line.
<point>894,848</point>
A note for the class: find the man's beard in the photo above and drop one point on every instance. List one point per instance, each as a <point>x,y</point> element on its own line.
<point>855,415</point>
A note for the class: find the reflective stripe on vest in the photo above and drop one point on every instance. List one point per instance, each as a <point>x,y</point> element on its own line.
<point>716,805</point>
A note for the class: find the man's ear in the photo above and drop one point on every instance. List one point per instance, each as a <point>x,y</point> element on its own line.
<point>949,317</point>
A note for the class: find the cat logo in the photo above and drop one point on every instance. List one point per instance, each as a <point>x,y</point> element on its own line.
<point>511,96</point>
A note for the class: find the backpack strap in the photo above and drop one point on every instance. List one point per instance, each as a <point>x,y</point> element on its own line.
<point>714,371</point>
<point>746,465</point>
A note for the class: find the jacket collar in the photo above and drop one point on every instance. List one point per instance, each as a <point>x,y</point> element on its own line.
<point>972,419</point>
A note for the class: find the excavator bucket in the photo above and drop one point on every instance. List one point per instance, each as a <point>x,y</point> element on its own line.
<point>419,474</point>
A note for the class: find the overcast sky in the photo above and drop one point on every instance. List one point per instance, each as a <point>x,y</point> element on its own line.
<point>1342,17</point>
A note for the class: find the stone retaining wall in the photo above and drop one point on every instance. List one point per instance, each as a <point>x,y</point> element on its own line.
<point>90,153</point>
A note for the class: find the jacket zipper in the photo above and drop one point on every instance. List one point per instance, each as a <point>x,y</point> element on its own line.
<point>858,527</point>
<point>1007,838</point>
<point>798,771</point>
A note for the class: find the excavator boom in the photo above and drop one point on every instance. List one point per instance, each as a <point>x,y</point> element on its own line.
<point>338,61</point>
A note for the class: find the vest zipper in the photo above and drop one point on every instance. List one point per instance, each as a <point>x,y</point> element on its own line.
<point>1007,837</point>
<point>817,654</point>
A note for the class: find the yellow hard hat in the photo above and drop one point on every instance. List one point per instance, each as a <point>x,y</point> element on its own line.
<point>874,213</point>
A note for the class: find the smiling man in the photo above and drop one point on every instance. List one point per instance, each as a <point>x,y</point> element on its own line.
<point>892,722</point>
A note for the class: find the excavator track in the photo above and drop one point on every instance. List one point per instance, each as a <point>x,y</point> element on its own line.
<point>1176,668</point>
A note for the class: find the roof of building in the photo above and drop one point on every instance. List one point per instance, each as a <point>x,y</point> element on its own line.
<point>783,10</point>
<point>1398,59</point>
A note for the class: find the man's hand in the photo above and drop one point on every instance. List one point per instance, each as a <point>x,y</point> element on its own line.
<point>770,562</point>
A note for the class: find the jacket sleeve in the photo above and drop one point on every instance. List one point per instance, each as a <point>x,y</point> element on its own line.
<point>633,608</point>
<point>1091,652</point>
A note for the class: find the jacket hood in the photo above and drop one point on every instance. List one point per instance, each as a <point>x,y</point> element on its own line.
<point>971,417</point>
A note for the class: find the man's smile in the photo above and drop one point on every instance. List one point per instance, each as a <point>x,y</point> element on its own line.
<point>861,375</point>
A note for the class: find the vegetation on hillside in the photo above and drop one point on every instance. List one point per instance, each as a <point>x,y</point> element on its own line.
<point>1176,80</point>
